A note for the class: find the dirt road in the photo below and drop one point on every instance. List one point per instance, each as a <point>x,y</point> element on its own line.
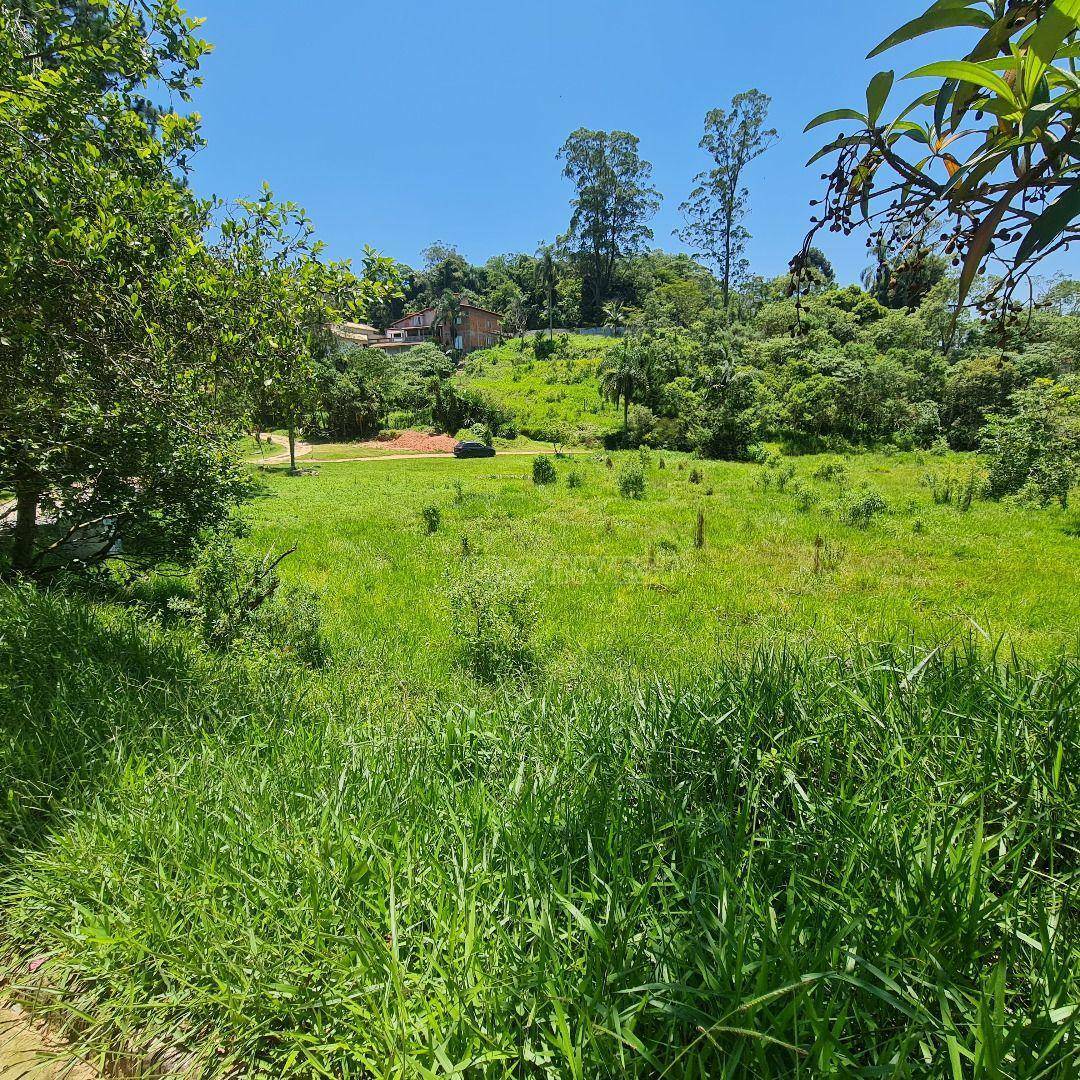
<point>26,1051</point>
<point>305,449</point>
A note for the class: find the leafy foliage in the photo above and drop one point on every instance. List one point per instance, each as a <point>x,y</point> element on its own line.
<point>494,613</point>
<point>613,202</point>
<point>1034,452</point>
<point>719,202</point>
<point>987,158</point>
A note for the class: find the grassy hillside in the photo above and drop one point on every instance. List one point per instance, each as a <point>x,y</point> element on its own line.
<point>563,389</point>
<point>619,583</point>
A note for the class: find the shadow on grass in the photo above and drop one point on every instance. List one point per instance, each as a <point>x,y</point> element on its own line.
<point>84,689</point>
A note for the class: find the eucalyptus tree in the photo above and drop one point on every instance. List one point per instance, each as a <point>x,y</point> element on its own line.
<point>614,202</point>
<point>988,154</point>
<point>720,201</point>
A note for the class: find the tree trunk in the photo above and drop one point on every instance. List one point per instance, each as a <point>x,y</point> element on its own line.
<point>27,495</point>
<point>292,449</point>
<point>727,272</point>
<point>551,313</point>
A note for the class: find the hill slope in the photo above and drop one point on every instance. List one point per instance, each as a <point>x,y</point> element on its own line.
<point>561,390</point>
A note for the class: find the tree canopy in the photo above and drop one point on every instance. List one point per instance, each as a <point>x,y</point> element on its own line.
<point>613,204</point>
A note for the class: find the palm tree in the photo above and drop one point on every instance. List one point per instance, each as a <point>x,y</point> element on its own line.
<point>447,312</point>
<point>546,271</point>
<point>622,379</point>
<point>614,316</point>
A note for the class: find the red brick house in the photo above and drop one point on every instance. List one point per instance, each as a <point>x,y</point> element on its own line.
<point>474,328</point>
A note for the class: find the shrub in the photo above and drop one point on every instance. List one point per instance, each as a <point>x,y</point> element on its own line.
<point>482,433</point>
<point>493,614</point>
<point>784,474</point>
<point>432,518</point>
<point>832,472</point>
<point>543,470</point>
<point>1035,451</point>
<point>543,347</point>
<point>805,496</point>
<point>695,475</point>
<point>239,598</point>
<point>631,480</point>
<point>574,479</point>
<point>862,507</point>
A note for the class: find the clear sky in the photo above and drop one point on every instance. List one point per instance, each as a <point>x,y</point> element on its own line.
<point>398,124</point>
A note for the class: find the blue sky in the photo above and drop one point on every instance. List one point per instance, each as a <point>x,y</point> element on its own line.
<point>400,124</point>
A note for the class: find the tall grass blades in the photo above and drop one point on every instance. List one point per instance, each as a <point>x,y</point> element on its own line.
<point>855,863</point>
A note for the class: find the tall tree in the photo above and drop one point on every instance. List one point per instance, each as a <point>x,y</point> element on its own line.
<point>614,201</point>
<point>113,417</point>
<point>290,297</point>
<point>987,152</point>
<point>719,203</point>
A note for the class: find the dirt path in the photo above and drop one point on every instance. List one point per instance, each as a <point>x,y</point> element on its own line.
<point>304,449</point>
<point>27,1051</point>
<point>282,458</point>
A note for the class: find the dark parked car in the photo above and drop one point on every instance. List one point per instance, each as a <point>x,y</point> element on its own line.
<point>473,449</point>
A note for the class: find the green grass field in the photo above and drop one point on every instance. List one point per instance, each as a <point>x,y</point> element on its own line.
<point>543,393</point>
<point>726,829</point>
<point>620,584</point>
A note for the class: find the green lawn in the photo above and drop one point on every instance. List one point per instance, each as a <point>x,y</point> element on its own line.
<point>542,393</point>
<point>620,584</point>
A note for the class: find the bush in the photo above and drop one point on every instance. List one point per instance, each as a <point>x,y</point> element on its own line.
<point>778,472</point>
<point>806,498</point>
<point>574,479</point>
<point>1035,452</point>
<point>832,472</point>
<point>493,614</point>
<point>695,475</point>
<point>482,433</point>
<point>862,507</point>
<point>543,347</point>
<point>631,480</point>
<point>543,470</point>
<point>239,598</point>
<point>432,516</point>
<point>947,488</point>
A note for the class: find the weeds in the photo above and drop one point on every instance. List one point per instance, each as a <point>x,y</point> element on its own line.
<point>862,507</point>
<point>494,613</point>
<point>631,480</point>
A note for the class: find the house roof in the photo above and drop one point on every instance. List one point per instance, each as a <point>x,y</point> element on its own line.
<point>430,307</point>
<point>353,331</point>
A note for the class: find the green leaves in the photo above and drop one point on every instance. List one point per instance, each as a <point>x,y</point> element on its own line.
<point>966,71</point>
<point>1051,30</point>
<point>1050,224</point>
<point>877,93</point>
<point>1005,109</point>
<point>833,115</point>
<point>937,18</point>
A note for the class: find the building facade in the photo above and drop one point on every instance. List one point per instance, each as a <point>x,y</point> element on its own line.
<point>473,328</point>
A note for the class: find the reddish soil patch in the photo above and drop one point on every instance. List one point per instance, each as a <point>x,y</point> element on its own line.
<point>415,441</point>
